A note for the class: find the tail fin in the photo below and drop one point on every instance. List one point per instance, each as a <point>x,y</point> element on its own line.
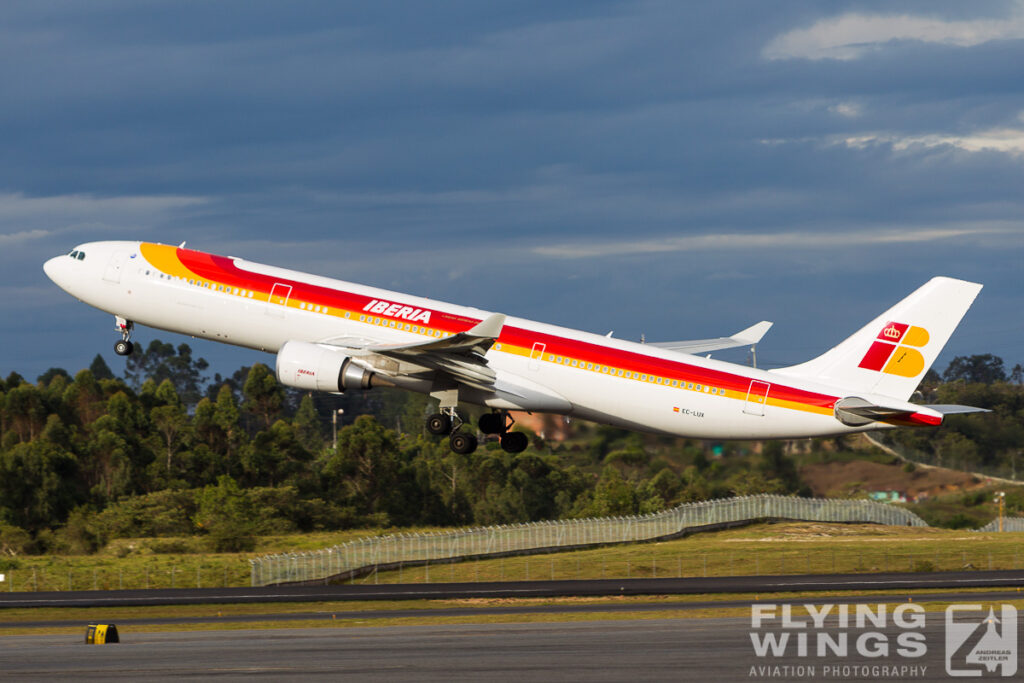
<point>890,355</point>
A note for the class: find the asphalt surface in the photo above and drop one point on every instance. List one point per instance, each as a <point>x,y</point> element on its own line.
<point>335,615</point>
<point>522,589</point>
<point>633,650</point>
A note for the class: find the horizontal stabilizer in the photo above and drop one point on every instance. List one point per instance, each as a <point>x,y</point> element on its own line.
<point>747,337</point>
<point>953,409</point>
<point>854,411</point>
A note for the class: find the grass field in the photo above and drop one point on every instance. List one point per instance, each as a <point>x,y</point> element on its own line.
<point>783,548</point>
<point>158,563</point>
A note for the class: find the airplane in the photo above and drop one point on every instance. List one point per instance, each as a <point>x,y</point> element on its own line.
<point>335,336</point>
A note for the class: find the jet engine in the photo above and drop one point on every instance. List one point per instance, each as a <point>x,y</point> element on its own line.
<point>320,368</point>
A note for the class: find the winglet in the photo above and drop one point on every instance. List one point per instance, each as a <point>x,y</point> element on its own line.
<point>488,328</point>
<point>753,334</point>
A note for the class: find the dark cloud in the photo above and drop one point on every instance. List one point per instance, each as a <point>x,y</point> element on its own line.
<point>432,147</point>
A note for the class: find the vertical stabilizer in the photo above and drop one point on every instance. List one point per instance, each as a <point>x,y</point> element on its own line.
<point>891,354</point>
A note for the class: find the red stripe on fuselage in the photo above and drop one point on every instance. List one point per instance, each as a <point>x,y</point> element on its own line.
<point>224,271</point>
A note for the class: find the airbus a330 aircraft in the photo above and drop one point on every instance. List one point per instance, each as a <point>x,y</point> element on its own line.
<point>335,336</point>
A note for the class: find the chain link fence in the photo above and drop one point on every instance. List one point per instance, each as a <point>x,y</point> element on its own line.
<point>1009,524</point>
<point>386,552</point>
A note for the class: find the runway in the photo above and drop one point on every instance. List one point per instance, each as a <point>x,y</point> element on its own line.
<point>643,650</point>
<point>335,615</point>
<point>1008,579</point>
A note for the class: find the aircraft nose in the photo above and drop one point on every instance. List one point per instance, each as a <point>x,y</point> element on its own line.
<point>55,269</point>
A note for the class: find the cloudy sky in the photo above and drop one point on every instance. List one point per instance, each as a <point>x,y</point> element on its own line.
<point>680,170</point>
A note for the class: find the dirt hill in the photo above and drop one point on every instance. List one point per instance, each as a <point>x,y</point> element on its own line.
<point>856,476</point>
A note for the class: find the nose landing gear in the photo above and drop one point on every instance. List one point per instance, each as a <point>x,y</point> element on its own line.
<point>125,327</point>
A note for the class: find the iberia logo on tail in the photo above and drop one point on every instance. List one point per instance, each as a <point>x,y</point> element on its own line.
<point>893,351</point>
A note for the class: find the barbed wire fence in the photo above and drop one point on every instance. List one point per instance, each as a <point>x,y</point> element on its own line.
<point>357,558</point>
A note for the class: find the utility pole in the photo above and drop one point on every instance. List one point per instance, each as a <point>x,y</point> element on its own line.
<point>334,423</point>
<point>1000,498</point>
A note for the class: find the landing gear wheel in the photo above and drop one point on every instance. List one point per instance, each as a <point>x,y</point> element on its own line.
<point>492,423</point>
<point>514,442</point>
<point>462,443</point>
<point>438,424</point>
<point>125,327</point>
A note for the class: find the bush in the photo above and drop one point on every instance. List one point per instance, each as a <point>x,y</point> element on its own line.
<point>974,498</point>
<point>226,513</point>
<point>170,546</point>
<point>13,540</point>
<point>961,521</point>
<point>909,467</point>
<point>80,535</point>
<point>163,513</point>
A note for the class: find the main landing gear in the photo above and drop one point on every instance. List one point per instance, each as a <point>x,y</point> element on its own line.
<point>449,422</point>
<point>500,423</point>
<point>125,327</point>
<point>464,443</point>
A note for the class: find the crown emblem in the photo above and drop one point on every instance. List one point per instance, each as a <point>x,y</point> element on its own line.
<point>891,332</point>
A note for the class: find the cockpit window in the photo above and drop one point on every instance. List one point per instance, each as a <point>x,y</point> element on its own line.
<point>81,256</point>
<point>74,254</point>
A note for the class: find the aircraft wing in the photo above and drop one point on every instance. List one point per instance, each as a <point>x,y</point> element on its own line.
<point>747,337</point>
<point>460,356</point>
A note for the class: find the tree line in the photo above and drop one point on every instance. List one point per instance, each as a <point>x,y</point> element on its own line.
<point>165,451</point>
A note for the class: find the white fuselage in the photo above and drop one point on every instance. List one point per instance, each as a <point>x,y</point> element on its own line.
<point>539,367</point>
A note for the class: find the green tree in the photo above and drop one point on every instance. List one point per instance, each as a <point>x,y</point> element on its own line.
<point>161,361</point>
<point>365,469</point>
<point>47,377</point>
<point>25,411</point>
<point>170,421</point>
<point>983,368</point>
<point>106,463</point>
<point>99,368</point>
<point>307,426</point>
<point>226,514</point>
<point>276,456</point>
<point>85,397</point>
<point>37,484</point>
<point>613,495</point>
<point>263,395</point>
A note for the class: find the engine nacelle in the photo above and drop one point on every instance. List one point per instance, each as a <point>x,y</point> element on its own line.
<point>319,368</point>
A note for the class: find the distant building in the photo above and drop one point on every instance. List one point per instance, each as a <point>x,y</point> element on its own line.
<point>888,496</point>
<point>546,426</point>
